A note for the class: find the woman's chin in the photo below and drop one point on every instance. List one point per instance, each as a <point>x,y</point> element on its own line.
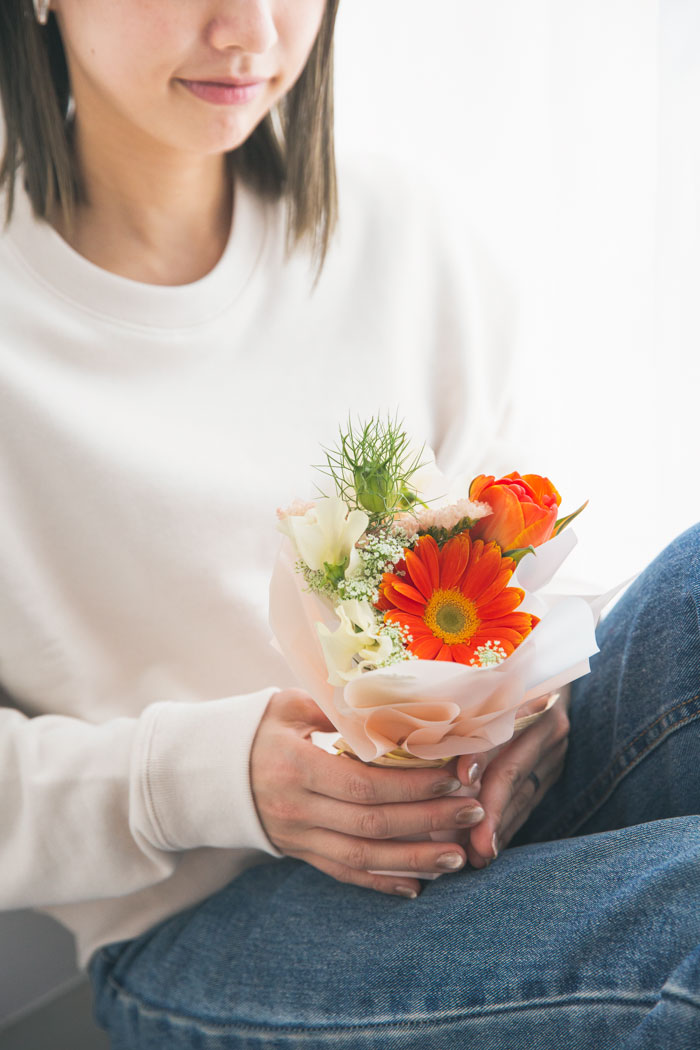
<point>221,129</point>
<point>221,140</point>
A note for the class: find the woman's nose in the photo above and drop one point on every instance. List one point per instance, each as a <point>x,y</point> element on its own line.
<point>248,25</point>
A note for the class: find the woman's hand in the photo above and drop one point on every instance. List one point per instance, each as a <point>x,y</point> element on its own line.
<point>339,814</point>
<point>509,790</point>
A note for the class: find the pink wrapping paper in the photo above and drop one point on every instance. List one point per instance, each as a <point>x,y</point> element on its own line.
<point>434,709</point>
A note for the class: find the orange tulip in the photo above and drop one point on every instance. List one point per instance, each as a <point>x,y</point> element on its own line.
<point>524,510</point>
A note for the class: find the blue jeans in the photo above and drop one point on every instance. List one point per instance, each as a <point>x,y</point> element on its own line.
<point>584,934</point>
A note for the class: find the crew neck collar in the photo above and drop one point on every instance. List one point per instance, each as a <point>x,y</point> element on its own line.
<point>69,275</point>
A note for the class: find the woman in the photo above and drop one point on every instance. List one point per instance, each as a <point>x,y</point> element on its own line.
<point>181,326</point>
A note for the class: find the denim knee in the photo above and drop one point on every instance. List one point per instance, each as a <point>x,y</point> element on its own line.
<point>679,563</point>
<point>661,609</point>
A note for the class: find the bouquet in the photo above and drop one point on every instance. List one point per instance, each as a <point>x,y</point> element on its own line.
<point>412,609</point>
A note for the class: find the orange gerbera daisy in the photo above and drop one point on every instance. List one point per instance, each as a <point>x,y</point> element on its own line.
<point>455,602</point>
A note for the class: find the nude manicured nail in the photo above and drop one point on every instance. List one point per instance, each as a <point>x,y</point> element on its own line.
<point>494,845</point>
<point>469,815</point>
<point>449,861</point>
<point>405,891</point>
<point>474,773</point>
<point>446,787</point>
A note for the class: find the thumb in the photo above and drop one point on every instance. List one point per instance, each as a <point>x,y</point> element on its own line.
<point>318,721</point>
<point>470,768</point>
<point>300,710</point>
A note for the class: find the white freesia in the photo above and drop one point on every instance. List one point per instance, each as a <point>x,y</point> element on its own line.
<point>349,651</point>
<point>326,534</point>
<point>361,614</point>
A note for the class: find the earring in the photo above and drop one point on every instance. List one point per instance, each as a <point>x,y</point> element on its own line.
<point>41,10</point>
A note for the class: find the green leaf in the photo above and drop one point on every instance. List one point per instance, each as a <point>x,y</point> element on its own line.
<point>563,522</point>
<point>336,573</point>
<point>518,553</point>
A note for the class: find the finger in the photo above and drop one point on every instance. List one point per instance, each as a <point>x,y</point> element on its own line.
<point>524,801</point>
<point>298,709</point>
<point>386,855</point>
<point>537,705</point>
<point>471,768</point>
<point>530,796</point>
<point>505,775</point>
<point>510,798</point>
<point>383,822</point>
<point>393,884</point>
<point>349,780</point>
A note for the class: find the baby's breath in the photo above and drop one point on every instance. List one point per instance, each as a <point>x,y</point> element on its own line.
<point>379,553</point>
<point>316,580</point>
<point>400,637</point>
<point>488,655</point>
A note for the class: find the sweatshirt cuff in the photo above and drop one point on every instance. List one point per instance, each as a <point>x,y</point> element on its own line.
<point>191,778</point>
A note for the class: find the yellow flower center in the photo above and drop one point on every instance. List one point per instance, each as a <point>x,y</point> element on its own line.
<point>451,616</point>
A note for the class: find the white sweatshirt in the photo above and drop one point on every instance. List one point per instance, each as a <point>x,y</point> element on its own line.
<point>147,436</point>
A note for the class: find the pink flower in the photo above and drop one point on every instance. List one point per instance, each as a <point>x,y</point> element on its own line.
<point>444,517</point>
<point>296,509</point>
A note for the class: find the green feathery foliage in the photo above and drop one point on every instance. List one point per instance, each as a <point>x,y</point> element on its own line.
<point>371,468</point>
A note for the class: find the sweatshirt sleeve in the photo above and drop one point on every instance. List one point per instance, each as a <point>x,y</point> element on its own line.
<point>94,811</point>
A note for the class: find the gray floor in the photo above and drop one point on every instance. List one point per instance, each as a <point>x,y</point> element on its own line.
<point>36,957</point>
<point>44,1002</point>
<point>64,1022</point>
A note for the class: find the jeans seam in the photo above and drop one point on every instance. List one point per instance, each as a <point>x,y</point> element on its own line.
<point>640,999</point>
<point>680,995</point>
<point>583,808</point>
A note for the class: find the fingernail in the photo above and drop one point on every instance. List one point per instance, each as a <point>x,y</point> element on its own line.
<point>446,787</point>
<point>494,845</point>
<point>449,861</point>
<point>405,891</point>
<point>470,815</point>
<point>473,774</point>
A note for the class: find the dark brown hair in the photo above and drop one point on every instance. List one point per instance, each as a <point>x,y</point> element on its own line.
<point>292,156</point>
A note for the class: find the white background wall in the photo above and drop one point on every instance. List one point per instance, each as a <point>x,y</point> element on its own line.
<point>568,133</point>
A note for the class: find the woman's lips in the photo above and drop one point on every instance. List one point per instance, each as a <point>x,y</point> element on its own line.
<point>224,93</point>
